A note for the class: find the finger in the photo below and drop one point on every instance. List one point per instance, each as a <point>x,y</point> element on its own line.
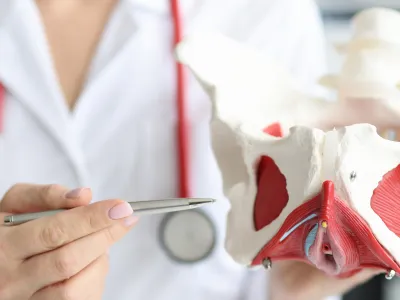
<point>49,233</point>
<point>88,284</point>
<point>58,265</point>
<point>23,198</point>
<point>2,216</point>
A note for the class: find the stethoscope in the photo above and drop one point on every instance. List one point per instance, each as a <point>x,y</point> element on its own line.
<point>193,240</point>
<point>2,106</point>
<point>190,236</point>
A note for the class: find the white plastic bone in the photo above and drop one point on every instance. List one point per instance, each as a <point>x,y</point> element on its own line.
<point>250,91</point>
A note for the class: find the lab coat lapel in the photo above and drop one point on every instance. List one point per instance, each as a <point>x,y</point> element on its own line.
<point>163,6</point>
<point>26,71</point>
<point>116,57</point>
<point>123,20</point>
<point>111,45</point>
<point>103,82</point>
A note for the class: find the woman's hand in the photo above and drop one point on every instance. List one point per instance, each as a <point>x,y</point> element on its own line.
<point>62,256</point>
<point>292,280</point>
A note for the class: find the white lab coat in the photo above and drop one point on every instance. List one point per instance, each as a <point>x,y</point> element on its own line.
<point>119,140</point>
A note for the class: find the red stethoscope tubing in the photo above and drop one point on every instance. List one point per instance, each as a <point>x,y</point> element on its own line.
<point>2,104</point>
<point>182,130</point>
<point>183,143</point>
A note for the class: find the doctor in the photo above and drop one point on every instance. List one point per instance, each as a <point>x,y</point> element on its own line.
<point>90,101</point>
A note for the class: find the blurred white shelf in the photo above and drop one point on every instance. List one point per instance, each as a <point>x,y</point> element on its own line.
<point>336,32</point>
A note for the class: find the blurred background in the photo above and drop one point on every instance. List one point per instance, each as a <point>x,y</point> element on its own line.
<point>337,15</point>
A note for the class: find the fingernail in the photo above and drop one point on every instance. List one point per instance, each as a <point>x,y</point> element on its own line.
<point>131,221</point>
<point>73,194</point>
<point>120,211</point>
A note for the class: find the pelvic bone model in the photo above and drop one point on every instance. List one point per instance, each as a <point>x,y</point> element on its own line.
<point>308,179</point>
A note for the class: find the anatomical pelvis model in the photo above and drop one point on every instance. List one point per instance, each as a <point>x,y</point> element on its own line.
<point>308,179</point>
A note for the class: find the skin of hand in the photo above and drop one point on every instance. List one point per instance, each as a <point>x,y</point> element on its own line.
<point>293,280</point>
<point>62,256</point>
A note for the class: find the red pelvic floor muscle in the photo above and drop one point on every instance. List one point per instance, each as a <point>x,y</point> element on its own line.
<point>385,200</point>
<point>348,235</point>
<point>272,196</point>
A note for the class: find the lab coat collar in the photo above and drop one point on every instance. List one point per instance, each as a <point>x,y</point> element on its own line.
<point>157,6</point>
<point>25,68</point>
<point>27,72</point>
<point>161,6</point>
<point>6,9</point>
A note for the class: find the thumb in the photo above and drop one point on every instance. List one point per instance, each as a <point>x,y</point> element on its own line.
<point>24,198</point>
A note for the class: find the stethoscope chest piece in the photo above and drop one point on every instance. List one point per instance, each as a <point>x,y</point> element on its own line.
<point>188,236</point>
